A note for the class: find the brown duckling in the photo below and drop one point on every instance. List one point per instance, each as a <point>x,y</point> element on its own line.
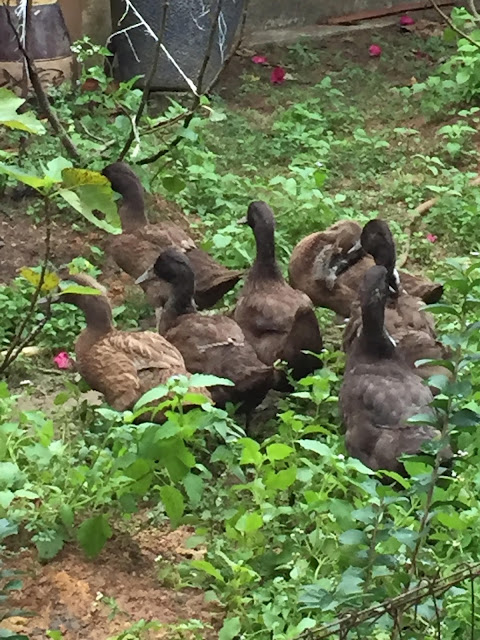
<point>212,344</point>
<point>137,248</point>
<point>329,267</point>
<point>412,329</point>
<point>121,365</point>
<point>277,320</point>
<point>380,392</point>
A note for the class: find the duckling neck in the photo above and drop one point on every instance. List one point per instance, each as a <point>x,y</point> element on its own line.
<point>99,319</point>
<point>375,340</point>
<point>265,261</point>
<point>132,210</point>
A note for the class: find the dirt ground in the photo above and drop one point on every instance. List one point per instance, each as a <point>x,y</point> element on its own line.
<point>72,594</point>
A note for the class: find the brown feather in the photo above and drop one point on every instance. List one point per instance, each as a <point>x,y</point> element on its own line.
<point>137,247</point>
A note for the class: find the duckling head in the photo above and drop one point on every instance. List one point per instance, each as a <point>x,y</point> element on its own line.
<point>377,240</point>
<point>259,216</point>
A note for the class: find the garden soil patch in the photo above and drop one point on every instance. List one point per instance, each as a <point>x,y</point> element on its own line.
<point>70,592</point>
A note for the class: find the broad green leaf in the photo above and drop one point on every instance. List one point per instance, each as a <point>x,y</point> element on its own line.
<point>204,565</point>
<point>278,451</point>
<point>80,177</point>
<point>6,498</point>
<point>249,522</point>
<point>173,502</point>
<point>141,471</point>
<point>251,452</point>
<point>230,629</point>
<point>50,280</point>
<point>352,537</point>
<point>174,184</point>
<point>10,474</point>
<point>7,528</point>
<point>317,447</point>
<point>90,197</point>
<point>452,521</point>
<point>207,380</point>
<point>93,534</point>
<point>194,487</point>
<point>9,103</point>
<point>282,480</point>
<point>80,289</point>
<point>49,548</point>
<point>157,393</point>
<point>33,181</point>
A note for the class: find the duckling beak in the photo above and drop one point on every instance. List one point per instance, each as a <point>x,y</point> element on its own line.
<point>243,220</point>
<point>149,274</point>
<point>356,247</point>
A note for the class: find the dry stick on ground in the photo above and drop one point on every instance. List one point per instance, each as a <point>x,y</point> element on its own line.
<point>148,84</point>
<point>434,587</point>
<point>40,92</point>
<point>18,343</point>
<point>197,99</point>
<point>417,213</point>
<point>450,23</point>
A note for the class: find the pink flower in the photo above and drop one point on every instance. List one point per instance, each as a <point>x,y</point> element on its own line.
<point>63,360</point>
<point>406,21</point>
<point>278,75</point>
<point>259,60</point>
<point>431,238</point>
<point>375,50</point>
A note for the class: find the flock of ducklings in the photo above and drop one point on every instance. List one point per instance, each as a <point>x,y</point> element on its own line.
<point>346,268</point>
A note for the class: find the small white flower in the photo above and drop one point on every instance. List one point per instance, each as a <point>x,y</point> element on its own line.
<point>26,383</point>
<point>463,453</point>
<point>341,456</point>
<point>319,164</point>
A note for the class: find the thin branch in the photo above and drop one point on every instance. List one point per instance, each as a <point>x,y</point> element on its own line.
<point>40,91</point>
<point>197,99</point>
<point>18,343</point>
<point>146,90</point>
<point>473,10</point>
<point>450,23</point>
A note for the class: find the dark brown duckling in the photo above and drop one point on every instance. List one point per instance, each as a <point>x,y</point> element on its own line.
<point>277,320</point>
<point>121,365</point>
<point>137,248</point>
<point>329,267</point>
<point>380,392</point>
<point>412,328</point>
<point>212,344</point>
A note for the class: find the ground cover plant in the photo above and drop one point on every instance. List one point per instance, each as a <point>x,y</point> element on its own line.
<point>282,535</point>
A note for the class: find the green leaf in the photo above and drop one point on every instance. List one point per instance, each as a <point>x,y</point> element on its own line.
<point>174,184</point>
<point>7,528</point>
<point>249,522</point>
<point>174,504</point>
<point>9,103</point>
<point>55,634</point>
<point>230,629</point>
<point>157,393</point>
<point>250,452</point>
<point>278,451</point>
<point>6,498</point>
<point>88,198</point>
<point>282,480</point>
<point>317,447</point>
<point>194,487</point>
<point>204,565</point>
<point>207,380</point>
<point>27,178</point>
<point>93,534</point>
<point>452,521</point>
<point>10,474</point>
<point>67,515</point>
<point>49,548</point>
<point>81,290</point>
<point>352,537</point>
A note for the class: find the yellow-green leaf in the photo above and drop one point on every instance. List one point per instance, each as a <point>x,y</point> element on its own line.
<point>80,177</point>
<point>83,201</point>
<point>9,103</point>
<point>50,281</point>
<point>27,178</point>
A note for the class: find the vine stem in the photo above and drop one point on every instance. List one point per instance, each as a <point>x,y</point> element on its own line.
<point>42,97</point>
<point>450,23</point>
<point>18,343</point>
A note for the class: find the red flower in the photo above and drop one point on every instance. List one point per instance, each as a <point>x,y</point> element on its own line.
<point>375,50</point>
<point>431,238</point>
<point>259,60</point>
<point>406,21</point>
<point>278,75</point>
<point>63,360</point>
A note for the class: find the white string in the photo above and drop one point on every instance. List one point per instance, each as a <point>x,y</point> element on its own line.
<point>21,13</point>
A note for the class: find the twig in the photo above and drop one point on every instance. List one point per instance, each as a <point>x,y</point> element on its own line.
<point>473,10</point>
<point>18,343</point>
<point>197,99</point>
<point>435,588</point>
<point>146,90</point>
<point>450,23</point>
<point>40,91</point>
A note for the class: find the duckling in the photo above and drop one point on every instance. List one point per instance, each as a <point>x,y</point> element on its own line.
<point>140,243</point>
<point>278,321</point>
<point>209,343</point>
<point>329,267</point>
<point>121,365</point>
<point>412,329</point>
<point>380,392</point>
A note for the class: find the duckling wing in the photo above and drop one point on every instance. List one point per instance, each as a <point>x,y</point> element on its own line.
<point>420,287</point>
<point>212,279</point>
<point>164,235</point>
